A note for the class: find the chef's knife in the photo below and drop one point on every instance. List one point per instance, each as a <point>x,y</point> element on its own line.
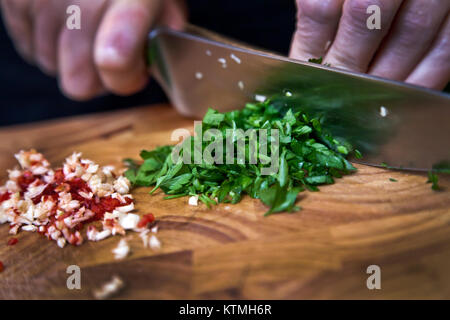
<point>391,123</point>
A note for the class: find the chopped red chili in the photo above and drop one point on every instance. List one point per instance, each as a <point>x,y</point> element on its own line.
<point>1,267</point>
<point>145,220</point>
<point>12,241</point>
<point>25,180</point>
<point>109,204</point>
<point>5,196</point>
<point>67,200</point>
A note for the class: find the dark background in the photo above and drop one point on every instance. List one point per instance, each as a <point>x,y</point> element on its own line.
<point>27,95</point>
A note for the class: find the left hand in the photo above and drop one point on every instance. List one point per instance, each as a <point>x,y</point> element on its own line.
<point>413,44</point>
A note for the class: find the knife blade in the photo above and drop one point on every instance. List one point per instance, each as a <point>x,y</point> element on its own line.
<point>392,123</point>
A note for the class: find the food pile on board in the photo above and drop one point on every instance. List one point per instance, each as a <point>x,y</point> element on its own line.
<point>307,156</point>
<point>57,203</point>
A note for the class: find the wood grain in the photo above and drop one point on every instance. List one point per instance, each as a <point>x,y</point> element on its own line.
<point>232,251</point>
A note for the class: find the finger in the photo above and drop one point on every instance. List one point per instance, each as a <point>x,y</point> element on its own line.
<point>47,24</point>
<point>434,69</point>
<point>317,22</point>
<point>355,44</point>
<point>119,48</point>
<point>17,19</point>
<point>78,77</point>
<point>173,14</point>
<point>412,34</point>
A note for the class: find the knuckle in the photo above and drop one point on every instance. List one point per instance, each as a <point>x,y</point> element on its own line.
<point>413,29</point>
<point>356,14</point>
<point>357,10</point>
<point>81,86</point>
<point>321,11</point>
<point>417,21</point>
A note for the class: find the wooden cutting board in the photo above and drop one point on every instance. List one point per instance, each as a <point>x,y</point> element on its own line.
<point>232,251</point>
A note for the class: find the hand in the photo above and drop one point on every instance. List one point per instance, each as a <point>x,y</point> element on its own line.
<point>413,44</point>
<point>107,54</point>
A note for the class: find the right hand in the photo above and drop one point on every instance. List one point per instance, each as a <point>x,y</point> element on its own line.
<point>106,55</point>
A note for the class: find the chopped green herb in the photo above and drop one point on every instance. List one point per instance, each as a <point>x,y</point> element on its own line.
<point>316,60</point>
<point>385,165</point>
<point>393,180</point>
<point>358,154</point>
<point>308,157</point>
<point>342,150</point>
<point>319,61</point>
<point>442,167</point>
<point>433,179</point>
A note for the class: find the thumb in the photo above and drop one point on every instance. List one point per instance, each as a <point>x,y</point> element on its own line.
<point>120,43</point>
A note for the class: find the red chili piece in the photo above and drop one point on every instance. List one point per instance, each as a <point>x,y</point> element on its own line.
<point>1,267</point>
<point>5,196</point>
<point>12,241</point>
<point>145,220</point>
<point>25,180</point>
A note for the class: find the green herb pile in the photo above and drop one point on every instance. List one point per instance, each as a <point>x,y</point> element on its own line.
<point>308,157</point>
